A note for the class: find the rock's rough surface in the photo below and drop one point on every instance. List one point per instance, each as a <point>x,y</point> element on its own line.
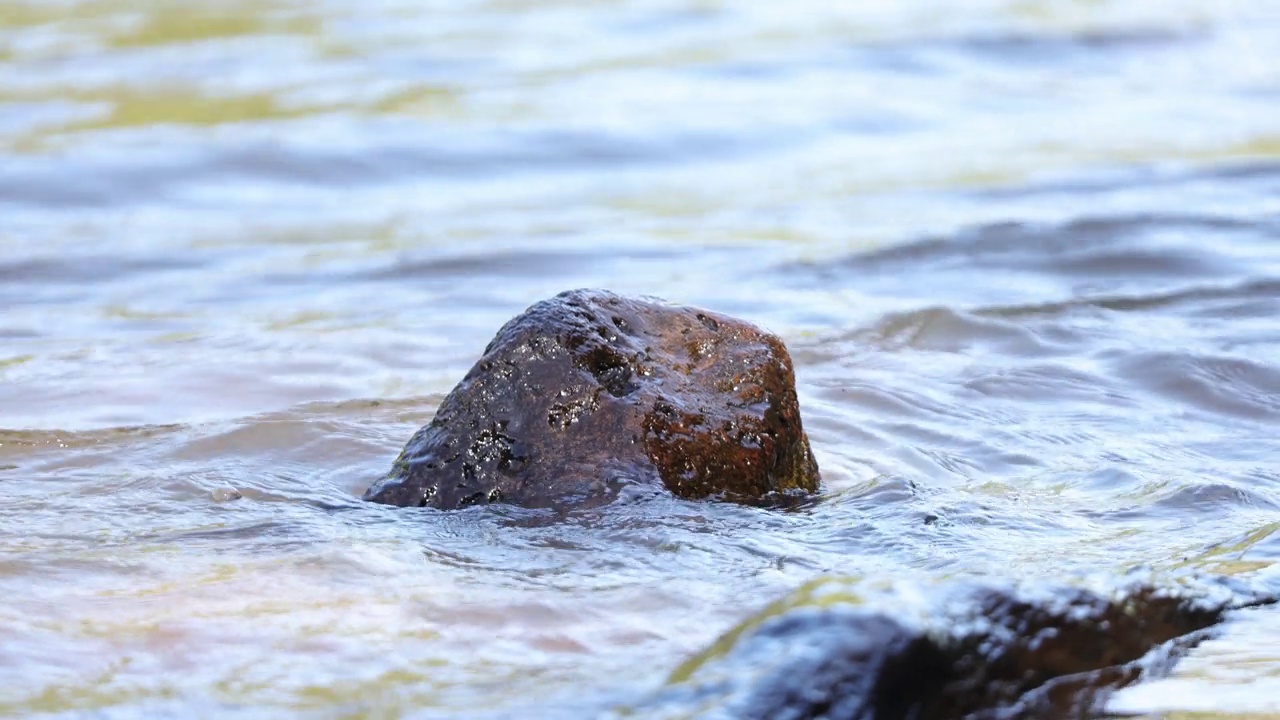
<point>588,391</point>
<point>831,652</point>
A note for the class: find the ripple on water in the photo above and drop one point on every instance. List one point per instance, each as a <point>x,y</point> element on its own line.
<point>1233,386</point>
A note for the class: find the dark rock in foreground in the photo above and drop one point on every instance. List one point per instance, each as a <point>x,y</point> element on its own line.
<point>589,391</point>
<point>832,652</point>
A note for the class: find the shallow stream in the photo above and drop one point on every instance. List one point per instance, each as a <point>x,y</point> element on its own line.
<point>1026,255</point>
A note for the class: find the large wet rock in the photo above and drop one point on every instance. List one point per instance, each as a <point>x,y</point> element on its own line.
<point>589,392</point>
<point>835,651</point>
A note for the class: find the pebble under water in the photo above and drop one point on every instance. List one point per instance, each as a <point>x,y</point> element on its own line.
<point>1024,254</point>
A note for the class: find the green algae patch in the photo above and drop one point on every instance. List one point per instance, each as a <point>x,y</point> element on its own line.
<point>819,593</point>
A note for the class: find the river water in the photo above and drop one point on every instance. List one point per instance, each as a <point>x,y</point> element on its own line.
<point>1026,255</point>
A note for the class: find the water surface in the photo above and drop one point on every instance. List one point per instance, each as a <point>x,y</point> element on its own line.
<point>1024,254</point>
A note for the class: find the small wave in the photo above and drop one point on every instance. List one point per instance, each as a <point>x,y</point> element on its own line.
<point>1223,385</point>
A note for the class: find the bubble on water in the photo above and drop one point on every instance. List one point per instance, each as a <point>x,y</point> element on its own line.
<point>226,494</point>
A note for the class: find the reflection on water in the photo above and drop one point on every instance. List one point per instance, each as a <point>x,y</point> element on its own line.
<point>1024,254</point>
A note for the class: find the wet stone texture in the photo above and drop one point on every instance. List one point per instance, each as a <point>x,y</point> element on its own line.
<point>590,392</point>
<point>969,652</point>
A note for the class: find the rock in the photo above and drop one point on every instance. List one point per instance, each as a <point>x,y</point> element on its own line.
<point>832,652</point>
<point>589,391</point>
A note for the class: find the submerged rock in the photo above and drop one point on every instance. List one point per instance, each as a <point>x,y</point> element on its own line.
<point>589,391</point>
<point>835,653</point>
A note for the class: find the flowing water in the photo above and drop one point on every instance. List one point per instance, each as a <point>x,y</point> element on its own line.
<point>1026,254</point>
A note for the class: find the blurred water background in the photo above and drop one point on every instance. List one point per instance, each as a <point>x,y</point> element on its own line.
<point>1025,254</point>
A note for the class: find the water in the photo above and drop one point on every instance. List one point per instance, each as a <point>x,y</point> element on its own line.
<point>1024,254</point>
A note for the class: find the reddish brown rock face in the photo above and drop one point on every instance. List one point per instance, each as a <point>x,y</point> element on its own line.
<point>834,652</point>
<point>589,391</point>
